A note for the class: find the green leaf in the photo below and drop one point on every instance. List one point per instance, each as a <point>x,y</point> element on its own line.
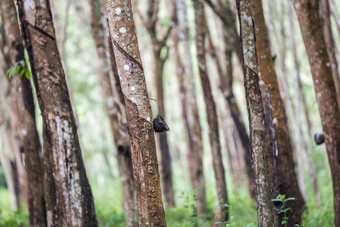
<point>17,67</point>
<point>291,198</point>
<point>22,72</point>
<point>28,74</point>
<point>10,72</point>
<point>277,200</point>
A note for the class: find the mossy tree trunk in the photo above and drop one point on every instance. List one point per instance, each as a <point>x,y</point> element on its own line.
<point>263,189</point>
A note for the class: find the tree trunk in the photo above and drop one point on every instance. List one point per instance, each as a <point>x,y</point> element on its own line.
<point>221,211</point>
<point>138,111</point>
<point>69,198</point>
<point>114,110</point>
<point>23,118</point>
<point>190,114</point>
<point>329,39</point>
<point>232,44</point>
<point>283,168</point>
<point>8,162</point>
<point>162,137</point>
<point>302,98</point>
<point>263,189</point>
<point>309,20</point>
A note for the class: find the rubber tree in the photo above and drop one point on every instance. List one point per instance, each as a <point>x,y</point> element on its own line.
<point>190,114</point>
<point>308,16</point>
<point>263,189</point>
<point>68,195</point>
<point>221,212</point>
<point>114,109</point>
<point>159,46</point>
<point>23,123</point>
<point>138,112</point>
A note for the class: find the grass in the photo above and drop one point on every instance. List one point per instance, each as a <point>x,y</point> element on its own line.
<point>108,201</point>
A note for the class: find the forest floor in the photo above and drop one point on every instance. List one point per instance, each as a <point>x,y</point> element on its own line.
<point>108,202</point>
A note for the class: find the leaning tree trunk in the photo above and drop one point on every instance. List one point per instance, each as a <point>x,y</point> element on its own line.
<point>138,111</point>
<point>309,20</point>
<point>330,44</point>
<point>69,198</point>
<point>23,117</point>
<point>114,110</point>
<point>221,211</point>
<point>189,105</point>
<point>263,190</point>
<point>281,157</point>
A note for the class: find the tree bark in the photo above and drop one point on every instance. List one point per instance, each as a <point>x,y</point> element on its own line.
<point>282,163</point>
<point>23,117</point>
<point>113,106</point>
<point>190,114</point>
<point>263,189</point>
<point>221,211</point>
<point>301,98</point>
<point>309,20</point>
<point>330,44</point>
<point>138,111</point>
<point>69,198</point>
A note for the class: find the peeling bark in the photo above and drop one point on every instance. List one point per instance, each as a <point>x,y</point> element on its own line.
<point>263,189</point>
<point>190,114</point>
<point>114,108</point>
<point>138,111</point>
<point>222,213</point>
<point>309,20</point>
<point>23,118</point>
<point>68,197</point>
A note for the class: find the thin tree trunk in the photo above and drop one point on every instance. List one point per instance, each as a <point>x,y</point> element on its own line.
<point>190,114</point>
<point>309,20</point>
<point>226,87</point>
<point>8,161</point>
<point>302,98</point>
<point>138,111</point>
<point>335,14</point>
<point>23,117</point>
<point>162,137</point>
<point>114,110</point>
<point>263,190</point>
<point>222,213</point>
<point>69,199</point>
<point>330,44</point>
<point>232,44</point>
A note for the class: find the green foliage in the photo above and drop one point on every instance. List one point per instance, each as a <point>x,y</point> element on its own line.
<point>9,217</point>
<point>282,199</point>
<point>21,68</point>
